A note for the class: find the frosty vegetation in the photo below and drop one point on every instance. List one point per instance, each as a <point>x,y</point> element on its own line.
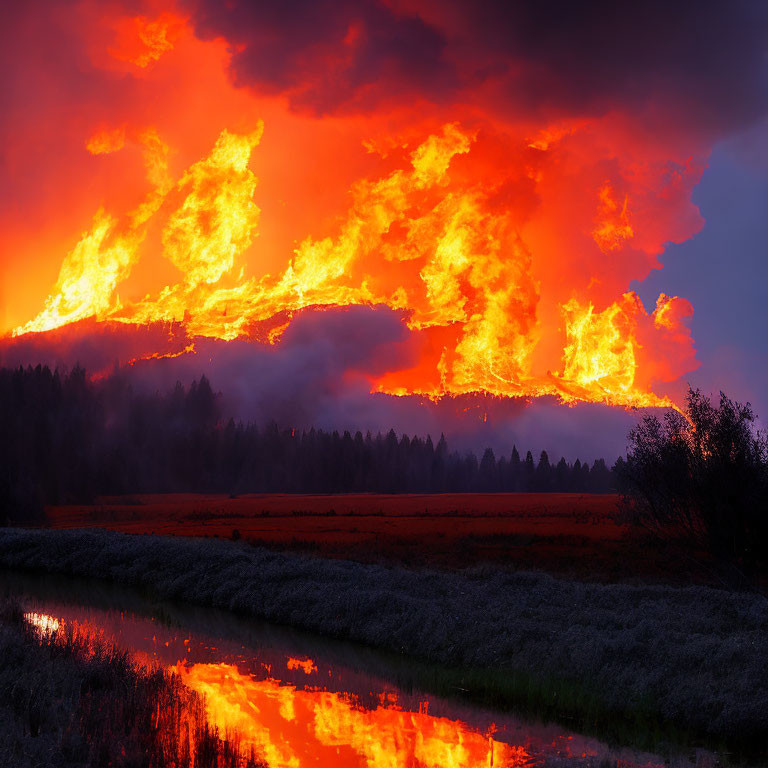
<point>694,656</point>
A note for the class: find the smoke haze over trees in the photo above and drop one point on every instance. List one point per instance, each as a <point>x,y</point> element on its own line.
<point>67,439</point>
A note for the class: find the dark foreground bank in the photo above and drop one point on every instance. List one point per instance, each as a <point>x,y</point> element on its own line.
<point>695,657</point>
<point>70,702</point>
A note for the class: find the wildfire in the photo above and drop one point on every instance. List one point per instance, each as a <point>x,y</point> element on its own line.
<point>421,239</point>
<point>600,347</point>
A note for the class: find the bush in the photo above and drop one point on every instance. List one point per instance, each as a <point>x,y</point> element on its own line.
<point>703,473</point>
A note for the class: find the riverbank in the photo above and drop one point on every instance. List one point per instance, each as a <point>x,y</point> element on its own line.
<point>69,701</point>
<point>695,657</point>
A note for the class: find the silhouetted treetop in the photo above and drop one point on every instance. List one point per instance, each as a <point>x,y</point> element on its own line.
<point>703,473</point>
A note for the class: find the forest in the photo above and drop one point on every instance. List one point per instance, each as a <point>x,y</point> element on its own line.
<point>67,438</point>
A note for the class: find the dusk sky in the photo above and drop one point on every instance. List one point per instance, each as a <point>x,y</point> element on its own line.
<point>525,200</point>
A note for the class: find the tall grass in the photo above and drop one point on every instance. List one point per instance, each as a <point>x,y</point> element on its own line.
<point>695,656</point>
<point>68,700</point>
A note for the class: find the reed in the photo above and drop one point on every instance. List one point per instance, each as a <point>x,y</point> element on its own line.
<point>69,700</point>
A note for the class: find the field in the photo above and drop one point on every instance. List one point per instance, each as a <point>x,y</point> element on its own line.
<point>578,535</point>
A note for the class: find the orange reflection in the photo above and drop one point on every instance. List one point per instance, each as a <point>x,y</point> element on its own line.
<point>42,622</point>
<point>292,727</point>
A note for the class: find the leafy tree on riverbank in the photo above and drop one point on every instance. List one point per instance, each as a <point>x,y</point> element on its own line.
<point>703,473</point>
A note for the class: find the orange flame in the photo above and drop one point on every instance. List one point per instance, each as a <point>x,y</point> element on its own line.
<point>42,622</point>
<point>422,240</point>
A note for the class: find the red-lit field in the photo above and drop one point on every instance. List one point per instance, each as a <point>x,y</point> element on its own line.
<point>573,534</point>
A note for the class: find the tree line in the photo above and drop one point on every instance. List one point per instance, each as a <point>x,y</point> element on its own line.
<point>68,439</point>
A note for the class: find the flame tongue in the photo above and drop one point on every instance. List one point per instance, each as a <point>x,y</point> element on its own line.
<point>439,249</point>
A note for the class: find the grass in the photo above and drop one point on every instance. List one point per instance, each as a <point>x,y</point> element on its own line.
<point>69,701</point>
<point>650,657</point>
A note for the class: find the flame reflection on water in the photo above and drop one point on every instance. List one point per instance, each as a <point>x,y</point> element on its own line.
<point>296,711</point>
<point>42,622</point>
<point>292,727</point>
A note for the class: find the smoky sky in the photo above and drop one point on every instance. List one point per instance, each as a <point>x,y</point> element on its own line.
<point>704,58</point>
<point>328,52</point>
<point>700,62</point>
<point>697,68</point>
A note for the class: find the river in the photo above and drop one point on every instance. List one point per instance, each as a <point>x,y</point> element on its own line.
<point>300,700</point>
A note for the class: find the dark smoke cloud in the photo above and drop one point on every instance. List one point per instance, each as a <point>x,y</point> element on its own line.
<point>98,347</point>
<point>328,53</point>
<point>319,372</point>
<point>704,62</point>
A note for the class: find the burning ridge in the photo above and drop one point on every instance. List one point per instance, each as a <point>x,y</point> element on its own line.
<point>434,238</point>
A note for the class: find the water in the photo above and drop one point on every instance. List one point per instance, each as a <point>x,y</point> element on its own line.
<point>304,701</point>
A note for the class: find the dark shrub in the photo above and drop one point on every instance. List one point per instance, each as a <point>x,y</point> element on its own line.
<point>703,473</point>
